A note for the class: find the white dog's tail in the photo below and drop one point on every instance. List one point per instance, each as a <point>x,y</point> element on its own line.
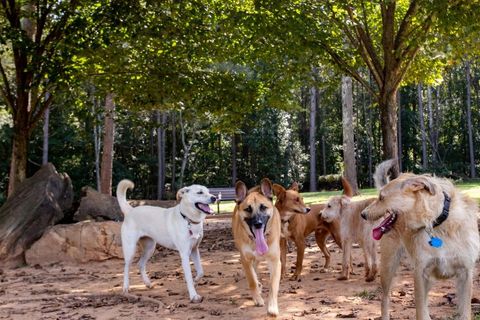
<point>122,188</point>
<point>381,175</point>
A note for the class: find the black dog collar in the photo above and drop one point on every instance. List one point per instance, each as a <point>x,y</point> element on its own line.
<point>190,221</point>
<point>446,209</point>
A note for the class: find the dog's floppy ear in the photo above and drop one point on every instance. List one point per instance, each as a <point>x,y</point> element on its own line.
<point>344,200</point>
<point>181,192</point>
<point>293,187</point>
<point>419,183</point>
<point>240,191</point>
<point>266,188</point>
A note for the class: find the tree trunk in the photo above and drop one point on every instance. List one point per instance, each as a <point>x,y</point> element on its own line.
<point>348,134</point>
<point>422,126</point>
<point>46,121</point>
<point>388,122</point>
<point>312,139</point>
<point>399,140</point>
<point>96,141</point>
<point>234,160</point>
<point>469,120</point>
<point>186,149</point>
<point>108,140</point>
<point>174,151</point>
<point>161,133</point>
<point>431,129</point>
<point>18,162</point>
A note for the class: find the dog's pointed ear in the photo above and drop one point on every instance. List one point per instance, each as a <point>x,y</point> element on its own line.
<point>419,183</point>
<point>240,191</point>
<point>278,190</point>
<point>181,192</point>
<point>294,186</point>
<point>266,188</point>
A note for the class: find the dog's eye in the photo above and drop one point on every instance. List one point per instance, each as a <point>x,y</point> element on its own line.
<point>298,199</point>
<point>329,206</point>
<point>262,207</point>
<point>381,197</point>
<point>249,209</point>
<point>200,192</point>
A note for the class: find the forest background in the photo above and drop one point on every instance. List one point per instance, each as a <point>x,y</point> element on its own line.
<point>169,93</point>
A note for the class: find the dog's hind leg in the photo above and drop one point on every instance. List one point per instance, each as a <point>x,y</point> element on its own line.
<point>464,293</point>
<point>321,238</point>
<point>300,243</point>
<point>346,259</point>
<point>148,245</point>
<point>195,255</point>
<point>129,244</point>
<point>253,284</point>
<point>391,252</point>
<point>283,255</point>
<point>370,253</point>
<point>187,271</point>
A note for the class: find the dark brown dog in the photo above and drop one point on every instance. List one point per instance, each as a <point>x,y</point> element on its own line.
<point>298,222</point>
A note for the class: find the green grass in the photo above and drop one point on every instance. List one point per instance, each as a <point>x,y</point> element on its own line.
<point>471,188</point>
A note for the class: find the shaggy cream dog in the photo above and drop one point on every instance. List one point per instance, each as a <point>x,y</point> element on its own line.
<point>437,226</point>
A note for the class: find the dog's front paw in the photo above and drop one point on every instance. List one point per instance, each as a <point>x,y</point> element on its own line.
<point>273,311</point>
<point>258,300</point>
<point>196,299</point>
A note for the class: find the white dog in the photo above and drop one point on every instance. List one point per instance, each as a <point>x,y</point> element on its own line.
<point>179,228</point>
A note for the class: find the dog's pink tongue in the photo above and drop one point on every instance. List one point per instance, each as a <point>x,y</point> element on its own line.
<point>383,228</point>
<point>206,208</point>
<point>260,244</point>
<point>377,233</point>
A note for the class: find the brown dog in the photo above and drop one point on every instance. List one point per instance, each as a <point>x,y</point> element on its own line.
<point>298,223</point>
<point>437,225</point>
<point>256,232</point>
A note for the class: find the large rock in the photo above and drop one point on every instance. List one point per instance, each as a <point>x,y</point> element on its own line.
<point>97,206</point>
<point>77,243</point>
<point>37,203</point>
<point>102,207</point>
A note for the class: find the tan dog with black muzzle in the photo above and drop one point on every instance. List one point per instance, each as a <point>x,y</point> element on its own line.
<point>256,231</point>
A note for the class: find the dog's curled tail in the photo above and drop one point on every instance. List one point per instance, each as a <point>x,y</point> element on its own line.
<point>382,174</point>
<point>122,188</point>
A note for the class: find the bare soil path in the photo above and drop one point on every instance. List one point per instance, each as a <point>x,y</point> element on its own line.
<point>93,291</point>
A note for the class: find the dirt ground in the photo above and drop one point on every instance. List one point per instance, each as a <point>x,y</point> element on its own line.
<point>93,291</point>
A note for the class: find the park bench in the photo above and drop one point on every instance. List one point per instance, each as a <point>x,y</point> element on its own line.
<point>223,194</point>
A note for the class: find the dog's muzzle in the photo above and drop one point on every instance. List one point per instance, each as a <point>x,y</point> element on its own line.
<point>258,221</point>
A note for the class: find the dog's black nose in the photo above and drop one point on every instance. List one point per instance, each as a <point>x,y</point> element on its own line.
<point>213,199</point>
<point>364,215</point>
<point>258,225</point>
